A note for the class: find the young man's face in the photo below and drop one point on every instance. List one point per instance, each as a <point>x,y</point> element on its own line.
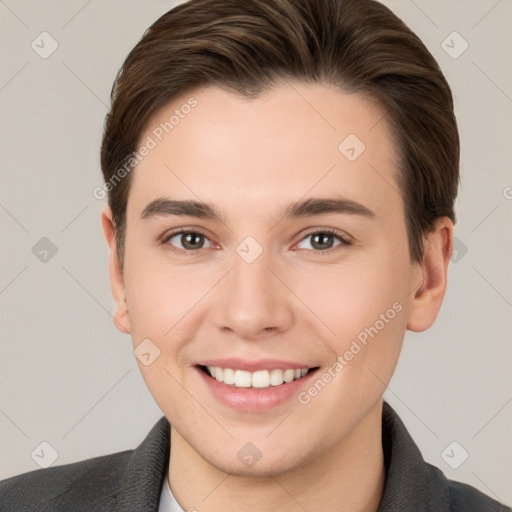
<point>254,291</point>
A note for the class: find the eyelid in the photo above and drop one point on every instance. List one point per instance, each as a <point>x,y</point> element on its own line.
<point>341,234</point>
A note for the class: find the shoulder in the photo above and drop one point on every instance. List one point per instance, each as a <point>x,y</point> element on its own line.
<point>130,479</point>
<point>82,485</point>
<point>463,497</point>
<point>414,484</point>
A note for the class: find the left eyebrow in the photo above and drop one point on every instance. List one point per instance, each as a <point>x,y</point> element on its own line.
<point>305,208</point>
<point>319,206</point>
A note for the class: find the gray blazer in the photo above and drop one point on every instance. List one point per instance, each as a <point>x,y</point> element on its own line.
<point>131,481</point>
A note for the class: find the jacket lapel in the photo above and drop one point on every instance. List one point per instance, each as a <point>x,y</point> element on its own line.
<point>139,488</point>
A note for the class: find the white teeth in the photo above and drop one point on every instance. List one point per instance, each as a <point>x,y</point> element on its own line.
<point>261,379</point>
<point>288,375</point>
<point>229,376</point>
<point>243,379</point>
<point>258,379</point>
<point>276,377</point>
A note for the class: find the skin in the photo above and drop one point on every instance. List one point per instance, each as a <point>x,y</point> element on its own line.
<point>251,158</point>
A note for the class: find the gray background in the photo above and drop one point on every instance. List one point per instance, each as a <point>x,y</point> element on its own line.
<point>69,378</point>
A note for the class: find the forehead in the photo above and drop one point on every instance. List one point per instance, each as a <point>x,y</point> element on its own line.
<point>292,141</point>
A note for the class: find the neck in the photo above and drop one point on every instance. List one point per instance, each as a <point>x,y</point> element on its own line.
<point>349,478</point>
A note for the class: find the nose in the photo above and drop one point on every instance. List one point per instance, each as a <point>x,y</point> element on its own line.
<point>254,301</point>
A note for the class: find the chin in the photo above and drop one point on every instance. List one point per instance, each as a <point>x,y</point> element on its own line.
<point>260,469</point>
<point>243,459</point>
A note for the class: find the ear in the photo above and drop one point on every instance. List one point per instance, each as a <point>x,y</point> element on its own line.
<point>432,274</point>
<point>121,317</point>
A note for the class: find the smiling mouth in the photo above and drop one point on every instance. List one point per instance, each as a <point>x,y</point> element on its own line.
<point>259,379</point>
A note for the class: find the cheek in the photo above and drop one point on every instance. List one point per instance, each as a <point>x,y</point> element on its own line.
<point>167,305</point>
<point>362,306</point>
<point>159,302</point>
<point>147,301</point>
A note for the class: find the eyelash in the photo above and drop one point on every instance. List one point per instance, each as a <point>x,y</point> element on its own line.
<point>344,241</point>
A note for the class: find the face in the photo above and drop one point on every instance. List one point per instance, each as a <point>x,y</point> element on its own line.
<point>255,286</point>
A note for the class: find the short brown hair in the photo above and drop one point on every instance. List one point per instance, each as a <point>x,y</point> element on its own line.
<point>246,47</point>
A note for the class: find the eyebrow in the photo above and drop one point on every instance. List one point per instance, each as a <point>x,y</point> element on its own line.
<point>163,207</point>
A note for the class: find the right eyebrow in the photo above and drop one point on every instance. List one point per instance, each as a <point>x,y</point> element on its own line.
<point>163,207</point>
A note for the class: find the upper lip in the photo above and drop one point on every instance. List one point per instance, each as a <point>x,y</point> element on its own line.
<point>254,365</point>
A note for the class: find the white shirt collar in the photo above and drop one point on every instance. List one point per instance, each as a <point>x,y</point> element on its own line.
<point>168,502</point>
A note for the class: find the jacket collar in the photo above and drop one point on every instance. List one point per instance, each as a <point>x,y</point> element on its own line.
<point>140,486</point>
<point>411,483</point>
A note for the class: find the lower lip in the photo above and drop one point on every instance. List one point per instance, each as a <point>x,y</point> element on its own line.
<point>255,399</point>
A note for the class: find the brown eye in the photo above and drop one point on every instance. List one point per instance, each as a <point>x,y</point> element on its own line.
<point>186,240</point>
<point>323,240</point>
